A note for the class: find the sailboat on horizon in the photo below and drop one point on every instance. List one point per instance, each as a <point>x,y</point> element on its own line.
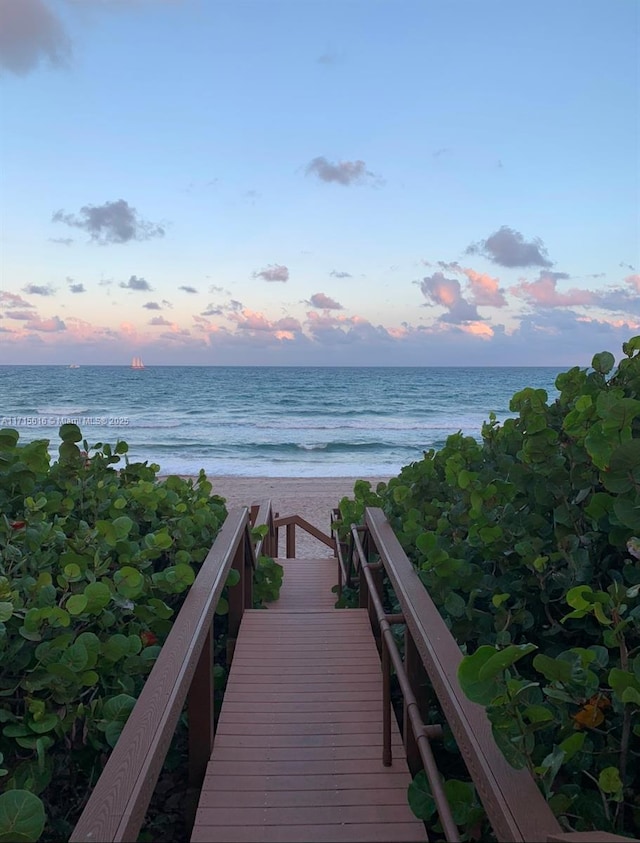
<point>137,363</point>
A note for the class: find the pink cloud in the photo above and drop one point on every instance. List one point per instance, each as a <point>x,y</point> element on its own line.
<point>52,325</point>
<point>478,329</point>
<point>634,281</point>
<point>399,333</point>
<point>543,293</point>
<point>130,331</point>
<point>447,293</point>
<point>205,325</point>
<point>82,330</point>
<point>13,300</point>
<point>486,290</point>
<point>249,320</point>
<point>330,320</point>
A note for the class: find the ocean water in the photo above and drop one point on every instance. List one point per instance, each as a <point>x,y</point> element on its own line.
<point>250,421</point>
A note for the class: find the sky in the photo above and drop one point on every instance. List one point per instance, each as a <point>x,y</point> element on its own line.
<point>319,182</point>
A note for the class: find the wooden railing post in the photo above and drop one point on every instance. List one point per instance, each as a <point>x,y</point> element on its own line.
<point>200,713</point>
<point>247,577</point>
<point>418,679</point>
<point>363,586</point>
<point>200,718</point>
<point>377,575</point>
<point>291,541</point>
<point>236,598</point>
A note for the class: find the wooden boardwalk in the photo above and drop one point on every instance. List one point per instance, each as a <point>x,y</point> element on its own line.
<point>298,750</point>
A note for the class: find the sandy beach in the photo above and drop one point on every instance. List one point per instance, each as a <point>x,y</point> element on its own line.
<point>312,498</point>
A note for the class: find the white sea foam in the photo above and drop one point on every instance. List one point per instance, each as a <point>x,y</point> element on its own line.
<point>279,422</point>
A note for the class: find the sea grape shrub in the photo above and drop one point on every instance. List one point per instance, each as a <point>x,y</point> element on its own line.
<point>528,543</point>
<point>95,561</point>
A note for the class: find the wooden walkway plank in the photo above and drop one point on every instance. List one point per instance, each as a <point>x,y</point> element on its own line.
<point>298,749</point>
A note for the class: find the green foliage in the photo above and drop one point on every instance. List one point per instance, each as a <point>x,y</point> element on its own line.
<point>21,816</point>
<point>529,541</point>
<point>466,809</point>
<point>267,580</point>
<point>352,510</point>
<point>95,561</point>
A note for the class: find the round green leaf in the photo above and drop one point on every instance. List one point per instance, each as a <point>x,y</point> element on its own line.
<point>72,571</point>
<point>70,433</point>
<point>118,707</point>
<point>116,647</point>
<point>122,525</point>
<point>76,604</point>
<point>420,799</point>
<point>129,581</point>
<point>503,659</point>
<point>22,817</point>
<point>45,724</point>
<point>233,578</point>
<point>610,781</point>
<point>98,595</point>
<point>8,437</point>
<point>478,690</point>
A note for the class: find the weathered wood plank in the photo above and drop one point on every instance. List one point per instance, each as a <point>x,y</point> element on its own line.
<point>295,798</point>
<point>356,833</point>
<point>298,751</point>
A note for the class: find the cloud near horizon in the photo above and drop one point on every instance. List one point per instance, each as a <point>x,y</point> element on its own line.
<point>544,293</point>
<point>52,325</point>
<point>633,281</point>
<point>447,293</point>
<point>249,320</point>
<point>485,289</point>
<point>113,222</point>
<point>20,315</point>
<point>508,247</point>
<point>13,300</point>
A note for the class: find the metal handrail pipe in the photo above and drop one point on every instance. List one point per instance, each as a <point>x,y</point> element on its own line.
<point>390,650</point>
<point>516,808</point>
<point>395,619</point>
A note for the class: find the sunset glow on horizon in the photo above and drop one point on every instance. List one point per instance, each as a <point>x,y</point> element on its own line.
<point>328,182</point>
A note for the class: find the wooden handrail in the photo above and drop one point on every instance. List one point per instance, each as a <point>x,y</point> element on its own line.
<point>119,801</point>
<point>515,806</point>
<point>261,513</point>
<point>293,521</point>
